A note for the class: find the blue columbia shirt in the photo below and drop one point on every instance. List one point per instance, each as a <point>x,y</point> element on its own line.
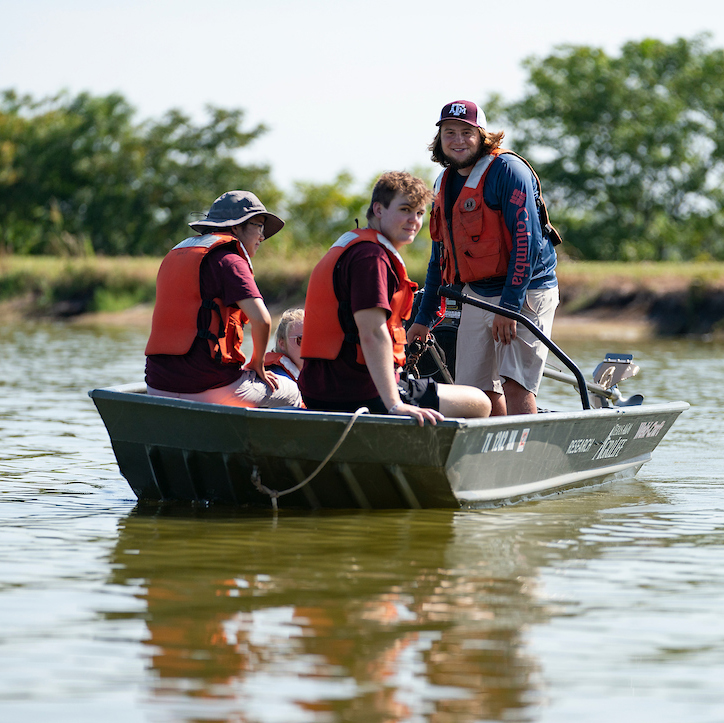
<point>509,185</point>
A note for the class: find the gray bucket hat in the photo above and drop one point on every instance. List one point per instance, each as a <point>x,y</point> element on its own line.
<point>234,207</point>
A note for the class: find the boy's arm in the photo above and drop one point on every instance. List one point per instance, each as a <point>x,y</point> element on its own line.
<point>376,346</point>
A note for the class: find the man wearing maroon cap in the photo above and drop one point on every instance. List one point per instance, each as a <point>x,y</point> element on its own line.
<point>490,232</point>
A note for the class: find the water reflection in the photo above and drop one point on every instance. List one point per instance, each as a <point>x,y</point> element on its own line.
<point>360,616</point>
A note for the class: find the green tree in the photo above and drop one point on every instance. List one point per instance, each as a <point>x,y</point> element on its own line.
<point>630,149</point>
<point>321,212</point>
<point>77,175</point>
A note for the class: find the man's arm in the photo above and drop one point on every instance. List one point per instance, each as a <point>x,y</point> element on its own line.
<point>376,346</point>
<point>260,321</point>
<point>513,190</point>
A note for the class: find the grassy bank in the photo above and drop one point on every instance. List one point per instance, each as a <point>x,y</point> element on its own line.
<point>69,286</point>
<point>689,297</point>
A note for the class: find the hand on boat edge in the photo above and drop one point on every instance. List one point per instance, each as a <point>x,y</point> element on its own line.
<point>420,414</point>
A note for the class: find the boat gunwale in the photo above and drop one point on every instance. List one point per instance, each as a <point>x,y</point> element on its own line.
<point>126,392</point>
<point>119,394</point>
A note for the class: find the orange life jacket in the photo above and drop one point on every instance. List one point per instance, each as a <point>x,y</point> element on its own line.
<point>174,325</point>
<point>279,359</point>
<point>323,333</point>
<point>482,242</point>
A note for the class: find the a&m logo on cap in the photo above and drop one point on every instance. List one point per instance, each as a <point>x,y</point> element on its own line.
<point>464,111</point>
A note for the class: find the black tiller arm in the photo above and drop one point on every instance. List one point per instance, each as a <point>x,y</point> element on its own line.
<point>451,293</point>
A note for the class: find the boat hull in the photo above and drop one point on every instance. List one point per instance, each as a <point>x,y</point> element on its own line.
<point>177,450</point>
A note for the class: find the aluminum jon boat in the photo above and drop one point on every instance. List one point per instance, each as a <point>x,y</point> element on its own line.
<point>178,450</point>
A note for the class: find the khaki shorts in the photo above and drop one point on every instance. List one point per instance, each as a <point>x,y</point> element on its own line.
<point>486,364</point>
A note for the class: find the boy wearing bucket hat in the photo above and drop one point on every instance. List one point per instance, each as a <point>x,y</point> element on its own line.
<point>490,231</point>
<point>205,294</point>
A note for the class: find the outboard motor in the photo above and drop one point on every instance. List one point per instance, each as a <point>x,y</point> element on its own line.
<point>614,369</point>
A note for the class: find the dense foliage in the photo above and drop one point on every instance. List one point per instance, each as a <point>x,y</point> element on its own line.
<point>630,148</point>
<point>320,213</point>
<point>76,174</point>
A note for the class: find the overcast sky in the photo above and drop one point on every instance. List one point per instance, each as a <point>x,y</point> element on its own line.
<point>342,85</point>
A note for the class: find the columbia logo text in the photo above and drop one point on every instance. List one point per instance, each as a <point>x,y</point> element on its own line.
<point>517,197</point>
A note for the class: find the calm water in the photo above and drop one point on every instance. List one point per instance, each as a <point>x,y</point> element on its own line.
<point>603,605</point>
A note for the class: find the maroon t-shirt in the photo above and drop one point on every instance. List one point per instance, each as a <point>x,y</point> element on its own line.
<point>365,278</point>
<point>225,275</point>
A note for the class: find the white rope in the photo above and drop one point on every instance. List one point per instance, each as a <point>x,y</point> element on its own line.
<point>275,494</point>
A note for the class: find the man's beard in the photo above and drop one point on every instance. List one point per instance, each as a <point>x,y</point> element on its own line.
<point>457,165</point>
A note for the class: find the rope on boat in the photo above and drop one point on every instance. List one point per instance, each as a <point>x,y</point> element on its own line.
<point>275,494</point>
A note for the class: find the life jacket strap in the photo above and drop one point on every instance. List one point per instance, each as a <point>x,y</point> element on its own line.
<point>207,333</point>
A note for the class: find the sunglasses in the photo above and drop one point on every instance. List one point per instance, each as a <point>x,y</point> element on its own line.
<point>297,339</point>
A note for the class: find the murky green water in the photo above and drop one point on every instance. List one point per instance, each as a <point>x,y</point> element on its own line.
<point>603,605</point>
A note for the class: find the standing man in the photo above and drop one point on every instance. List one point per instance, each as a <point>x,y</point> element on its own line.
<point>490,231</point>
<point>359,294</point>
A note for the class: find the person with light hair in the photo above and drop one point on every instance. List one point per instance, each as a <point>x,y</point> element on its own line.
<point>286,357</point>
